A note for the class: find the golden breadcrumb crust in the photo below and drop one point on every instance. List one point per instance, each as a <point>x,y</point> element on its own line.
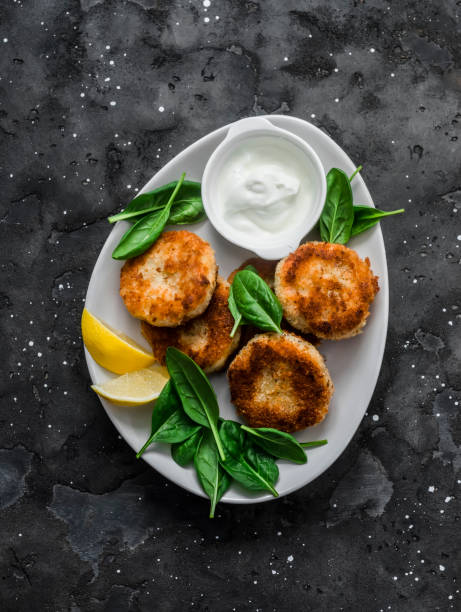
<point>206,339</point>
<point>280,381</point>
<point>171,282</point>
<point>326,289</point>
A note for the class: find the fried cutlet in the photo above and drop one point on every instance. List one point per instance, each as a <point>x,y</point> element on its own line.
<point>172,282</point>
<point>326,289</point>
<point>280,381</point>
<point>206,339</point>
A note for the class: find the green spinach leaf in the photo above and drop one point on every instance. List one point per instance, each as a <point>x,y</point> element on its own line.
<point>197,395</point>
<point>336,220</point>
<point>214,480</point>
<point>158,198</point>
<point>235,312</point>
<point>366,217</point>
<point>165,405</point>
<point>145,231</point>
<point>277,443</point>
<point>183,452</point>
<point>177,428</point>
<point>237,465</point>
<point>262,462</point>
<point>314,443</point>
<point>186,211</point>
<point>256,302</point>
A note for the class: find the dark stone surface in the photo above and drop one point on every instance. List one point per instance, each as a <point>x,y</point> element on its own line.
<point>84,526</point>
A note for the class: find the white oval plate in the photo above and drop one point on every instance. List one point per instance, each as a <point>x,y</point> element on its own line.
<point>353,364</point>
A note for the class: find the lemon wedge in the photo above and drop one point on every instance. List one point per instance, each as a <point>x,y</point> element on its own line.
<point>134,388</point>
<point>113,350</point>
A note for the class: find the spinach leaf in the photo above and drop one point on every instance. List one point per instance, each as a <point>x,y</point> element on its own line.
<point>235,312</point>
<point>166,404</point>
<point>183,452</point>
<point>182,212</point>
<point>237,465</point>
<point>238,318</point>
<point>214,480</point>
<point>277,443</point>
<point>314,444</point>
<point>157,199</point>
<point>366,217</point>
<point>186,211</point>
<point>177,428</point>
<point>338,214</point>
<point>197,395</point>
<point>262,462</point>
<point>256,302</point>
<point>145,231</point>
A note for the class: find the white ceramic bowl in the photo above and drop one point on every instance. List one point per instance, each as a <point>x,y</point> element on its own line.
<point>238,133</point>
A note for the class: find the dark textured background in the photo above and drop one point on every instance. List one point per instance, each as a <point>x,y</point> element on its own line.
<point>83,525</point>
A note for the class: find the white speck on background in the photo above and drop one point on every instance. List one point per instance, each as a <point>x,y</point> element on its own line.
<point>206,19</point>
<point>442,568</point>
<point>290,558</point>
<point>112,102</point>
<point>372,50</point>
<point>161,109</point>
<point>431,489</point>
<point>375,417</point>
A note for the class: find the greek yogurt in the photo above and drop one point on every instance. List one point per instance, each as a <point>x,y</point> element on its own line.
<point>263,188</point>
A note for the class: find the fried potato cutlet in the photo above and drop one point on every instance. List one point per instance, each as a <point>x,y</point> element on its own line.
<point>326,289</point>
<point>280,381</point>
<point>206,339</point>
<point>172,282</point>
